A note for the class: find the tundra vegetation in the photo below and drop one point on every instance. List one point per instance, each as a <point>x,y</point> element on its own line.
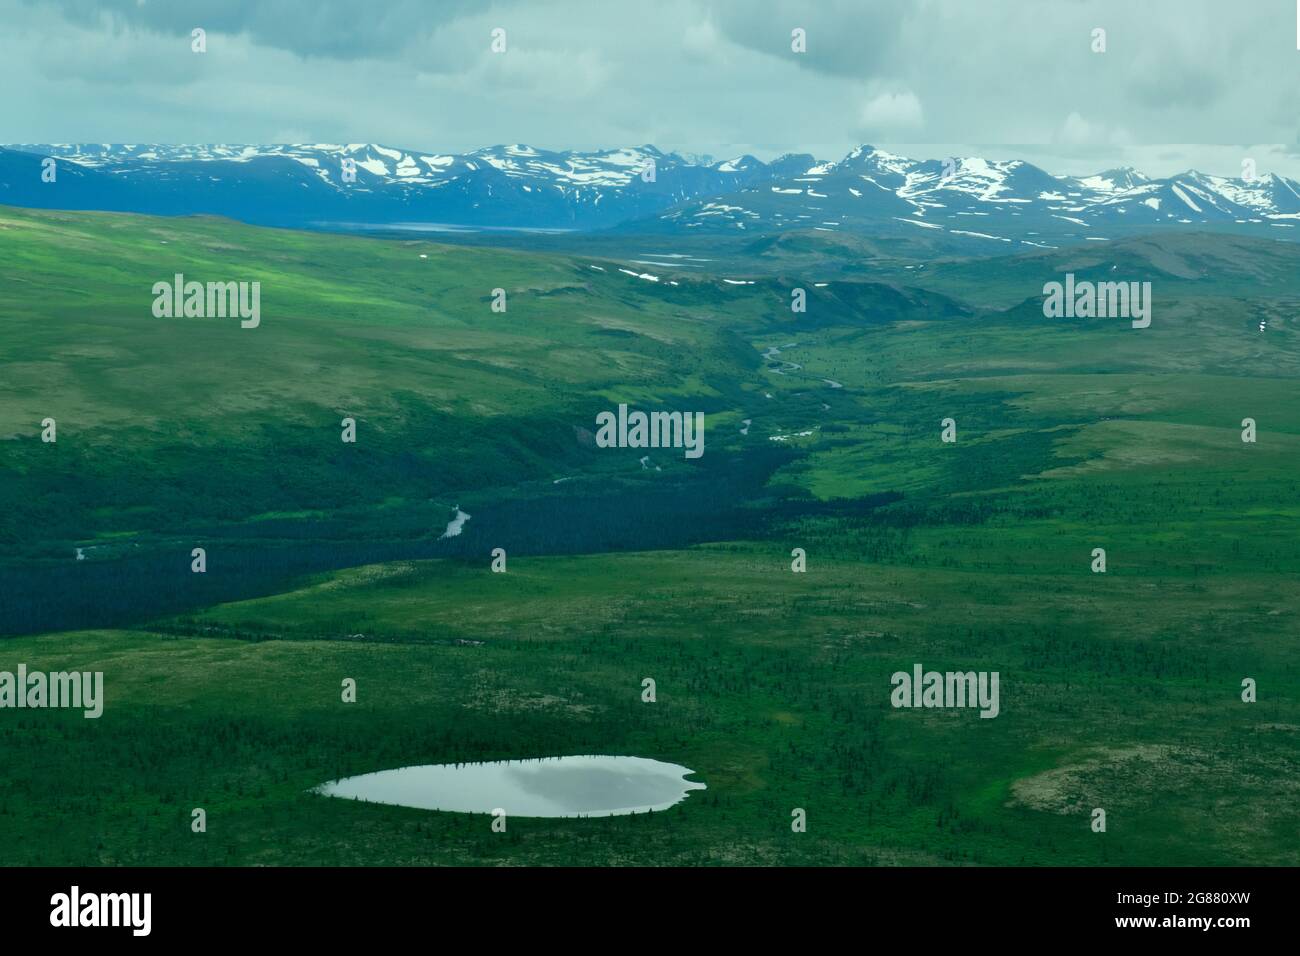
<point>324,560</point>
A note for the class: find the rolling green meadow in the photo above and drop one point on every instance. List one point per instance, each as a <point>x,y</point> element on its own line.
<point>327,560</point>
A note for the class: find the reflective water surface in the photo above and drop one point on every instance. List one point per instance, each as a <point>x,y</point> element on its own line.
<point>586,786</point>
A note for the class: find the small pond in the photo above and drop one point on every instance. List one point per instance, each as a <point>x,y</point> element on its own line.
<point>586,786</point>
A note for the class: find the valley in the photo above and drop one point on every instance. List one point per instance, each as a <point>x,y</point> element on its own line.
<point>330,561</point>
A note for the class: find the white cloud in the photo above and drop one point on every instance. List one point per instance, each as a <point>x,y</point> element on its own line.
<point>1077,131</point>
<point>709,76</point>
<point>893,111</point>
<point>701,38</point>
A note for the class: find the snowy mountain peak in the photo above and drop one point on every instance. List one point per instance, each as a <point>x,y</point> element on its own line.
<point>1113,180</point>
<point>737,164</point>
<point>522,186</point>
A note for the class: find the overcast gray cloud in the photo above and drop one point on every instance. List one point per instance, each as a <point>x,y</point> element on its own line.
<point>328,28</point>
<point>707,76</point>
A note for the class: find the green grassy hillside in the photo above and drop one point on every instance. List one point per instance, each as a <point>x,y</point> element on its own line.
<point>1119,690</point>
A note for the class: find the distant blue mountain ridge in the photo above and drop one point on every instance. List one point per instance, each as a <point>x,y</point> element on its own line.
<point>638,190</point>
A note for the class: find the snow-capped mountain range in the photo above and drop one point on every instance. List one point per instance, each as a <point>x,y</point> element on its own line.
<point>869,191</point>
<point>501,187</point>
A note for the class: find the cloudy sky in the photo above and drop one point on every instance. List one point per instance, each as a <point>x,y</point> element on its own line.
<point>1182,83</point>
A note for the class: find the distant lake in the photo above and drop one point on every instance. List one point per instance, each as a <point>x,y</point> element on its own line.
<point>447,227</point>
<point>587,786</point>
